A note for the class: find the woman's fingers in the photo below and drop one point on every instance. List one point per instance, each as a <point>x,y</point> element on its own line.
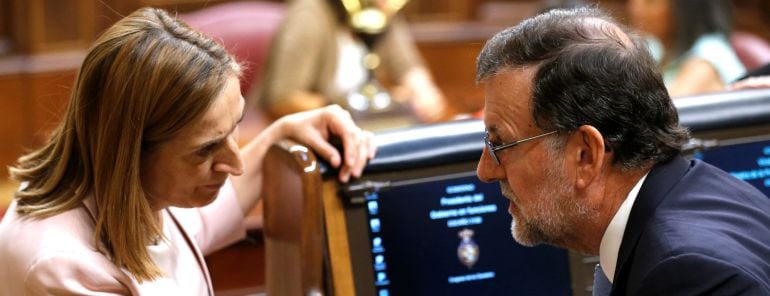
<point>315,129</point>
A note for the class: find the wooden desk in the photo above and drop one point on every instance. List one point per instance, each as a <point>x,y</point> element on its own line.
<point>239,269</point>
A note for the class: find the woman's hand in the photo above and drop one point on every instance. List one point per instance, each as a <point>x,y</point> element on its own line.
<point>751,83</point>
<point>311,128</point>
<point>315,128</point>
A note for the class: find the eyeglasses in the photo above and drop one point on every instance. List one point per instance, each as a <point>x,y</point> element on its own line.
<point>492,149</point>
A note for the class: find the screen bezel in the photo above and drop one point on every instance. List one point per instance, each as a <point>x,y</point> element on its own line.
<point>358,233</point>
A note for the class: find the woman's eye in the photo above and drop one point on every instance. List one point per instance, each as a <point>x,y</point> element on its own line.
<point>207,150</point>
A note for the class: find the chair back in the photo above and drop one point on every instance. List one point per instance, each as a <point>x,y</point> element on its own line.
<point>294,242</point>
<point>244,28</point>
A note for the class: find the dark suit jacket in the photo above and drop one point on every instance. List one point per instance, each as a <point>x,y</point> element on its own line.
<point>695,230</point>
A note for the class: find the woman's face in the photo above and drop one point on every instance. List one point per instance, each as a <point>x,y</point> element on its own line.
<point>188,170</point>
<point>651,16</point>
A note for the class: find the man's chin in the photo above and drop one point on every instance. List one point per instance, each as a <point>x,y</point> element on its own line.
<point>520,235</point>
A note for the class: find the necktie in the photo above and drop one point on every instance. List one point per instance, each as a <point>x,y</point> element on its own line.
<point>602,285</point>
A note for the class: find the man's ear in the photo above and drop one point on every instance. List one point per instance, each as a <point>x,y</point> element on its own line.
<point>586,151</point>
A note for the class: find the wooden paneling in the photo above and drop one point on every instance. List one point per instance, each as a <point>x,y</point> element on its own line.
<point>107,12</point>
<point>13,129</point>
<point>752,16</point>
<point>48,94</point>
<point>34,91</point>
<point>449,50</point>
<point>448,10</point>
<point>453,66</point>
<point>52,25</point>
<point>239,269</point>
<point>5,27</point>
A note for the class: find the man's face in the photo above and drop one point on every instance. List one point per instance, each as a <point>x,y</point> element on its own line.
<point>533,175</point>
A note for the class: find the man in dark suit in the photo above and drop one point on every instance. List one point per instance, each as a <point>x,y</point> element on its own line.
<point>585,142</point>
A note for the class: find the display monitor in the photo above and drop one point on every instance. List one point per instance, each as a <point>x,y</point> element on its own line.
<point>747,159</point>
<point>445,234</point>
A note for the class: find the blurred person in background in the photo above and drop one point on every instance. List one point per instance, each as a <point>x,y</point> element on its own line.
<point>315,60</point>
<point>690,41</point>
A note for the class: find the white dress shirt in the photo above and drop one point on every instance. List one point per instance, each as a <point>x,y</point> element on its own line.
<point>613,236</point>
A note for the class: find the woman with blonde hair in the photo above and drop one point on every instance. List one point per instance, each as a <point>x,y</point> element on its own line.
<point>144,175</point>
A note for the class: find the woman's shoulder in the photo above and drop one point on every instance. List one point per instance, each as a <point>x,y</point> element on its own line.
<point>24,238</point>
<point>56,251</point>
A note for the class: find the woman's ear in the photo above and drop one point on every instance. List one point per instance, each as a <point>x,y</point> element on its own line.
<point>586,152</point>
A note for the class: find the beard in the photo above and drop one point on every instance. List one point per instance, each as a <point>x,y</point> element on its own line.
<point>554,215</point>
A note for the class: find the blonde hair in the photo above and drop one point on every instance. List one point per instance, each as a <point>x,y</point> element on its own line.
<point>144,79</point>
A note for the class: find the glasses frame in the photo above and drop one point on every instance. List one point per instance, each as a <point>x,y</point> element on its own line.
<point>492,149</point>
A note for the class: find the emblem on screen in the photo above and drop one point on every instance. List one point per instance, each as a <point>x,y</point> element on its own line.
<point>467,250</point>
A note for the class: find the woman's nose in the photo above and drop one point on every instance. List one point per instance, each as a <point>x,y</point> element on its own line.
<point>231,161</point>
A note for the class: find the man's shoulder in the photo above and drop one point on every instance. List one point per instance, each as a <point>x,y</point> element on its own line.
<point>700,235</point>
<point>722,183</point>
<point>673,236</point>
<point>699,274</point>
<point>707,210</point>
<point>704,182</point>
<point>707,220</point>
<point>681,255</point>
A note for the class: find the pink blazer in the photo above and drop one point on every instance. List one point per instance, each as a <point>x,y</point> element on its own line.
<point>57,255</point>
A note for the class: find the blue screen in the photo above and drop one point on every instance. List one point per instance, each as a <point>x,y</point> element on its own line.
<point>748,161</point>
<point>451,236</point>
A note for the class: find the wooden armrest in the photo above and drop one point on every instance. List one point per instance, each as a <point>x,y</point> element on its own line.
<point>293,221</point>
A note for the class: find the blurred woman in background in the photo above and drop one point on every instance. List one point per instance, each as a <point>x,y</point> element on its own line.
<point>690,41</point>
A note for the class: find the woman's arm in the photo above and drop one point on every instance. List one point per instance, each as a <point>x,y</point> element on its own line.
<point>696,76</point>
<point>296,55</point>
<point>751,83</point>
<point>296,101</point>
<point>425,98</point>
<point>313,129</point>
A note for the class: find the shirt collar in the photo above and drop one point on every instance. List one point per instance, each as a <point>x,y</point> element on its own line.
<point>613,236</point>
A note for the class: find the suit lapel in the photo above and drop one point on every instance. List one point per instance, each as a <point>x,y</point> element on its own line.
<point>659,182</point>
